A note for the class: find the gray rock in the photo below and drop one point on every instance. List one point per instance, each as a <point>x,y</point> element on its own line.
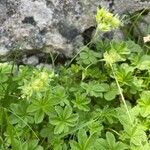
<point>32,26</point>
<point>32,60</point>
<point>143,27</point>
<point>47,66</point>
<point>130,6</point>
<point>118,35</point>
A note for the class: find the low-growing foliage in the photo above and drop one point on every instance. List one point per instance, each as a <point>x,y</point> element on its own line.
<point>101,102</point>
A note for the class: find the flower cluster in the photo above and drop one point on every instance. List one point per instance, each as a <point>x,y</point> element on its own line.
<point>106,21</point>
<point>38,83</point>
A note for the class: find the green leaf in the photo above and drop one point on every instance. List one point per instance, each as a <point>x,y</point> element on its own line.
<point>39,108</point>
<point>124,76</point>
<point>135,135</point>
<point>82,137</point>
<point>110,139</point>
<point>95,128</point>
<point>131,45</point>
<point>110,143</point>
<point>20,115</point>
<point>74,145</point>
<point>106,114</point>
<point>88,56</point>
<point>84,142</point>
<point>144,63</point>
<point>64,119</point>
<point>120,47</point>
<point>81,102</point>
<point>110,95</point>
<point>100,144</point>
<point>58,95</point>
<point>32,145</point>
<point>112,92</point>
<point>39,116</point>
<point>67,112</point>
<point>95,89</point>
<point>144,103</point>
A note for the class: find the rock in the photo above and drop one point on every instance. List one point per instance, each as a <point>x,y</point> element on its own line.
<point>47,66</point>
<point>32,60</point>
<point>118,35</point>
<point>33,26</point>
<point>143,26</point>
<point>130,6</point>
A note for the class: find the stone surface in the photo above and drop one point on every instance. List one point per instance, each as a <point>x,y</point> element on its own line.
<point>36,26</point>
<point>47,66</point>
<point>130,6</point>
<point>32,60</point>
<point>143,27</point>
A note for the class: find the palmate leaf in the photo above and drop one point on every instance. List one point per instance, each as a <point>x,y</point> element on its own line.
<point>64,119</point>
<point>106,114</point>
<point>110,95</point>
<point>88,56</point>
<point>144,103</point>
<point>20,115</point>
<point>123,117</point>
<point>135,135</point>
<point>145,146</point>
<point>94,73</point>
<point>27,145</point>
<point>118,52</point>
<point>5,70</point>
<point>109,143</point>
<point>133,132</point>
<point>95,89</point>
<point>81,102</point>
<point>112,92</point>
<point>96,128</point>
<point>144,62</point>
<point>120,47</point>
<point>39,108</point>
<point>32,145</point>
<point>124,75</point>
<point>58,95</point>
<point>84,142</point>
<point>133,47</point>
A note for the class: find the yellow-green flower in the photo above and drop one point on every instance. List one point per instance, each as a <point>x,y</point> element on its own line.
<point>106,21</point>
<point>37,85</point>
<point>115,22</point>
<point>111,57</point>
<point>100,15</point>
<point>104,27</point>
<point>44,76</point>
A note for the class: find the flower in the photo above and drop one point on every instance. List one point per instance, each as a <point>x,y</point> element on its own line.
<point>103,27</point>
<point>44,76</point>
<point>37,84</point>
<point>115,22</point>
<point>106,21</point>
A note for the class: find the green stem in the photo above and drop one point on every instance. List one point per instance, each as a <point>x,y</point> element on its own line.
<point>93,38</point>
<point>79,127</point>
<point>22,121</point>
<point>121,94</point>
